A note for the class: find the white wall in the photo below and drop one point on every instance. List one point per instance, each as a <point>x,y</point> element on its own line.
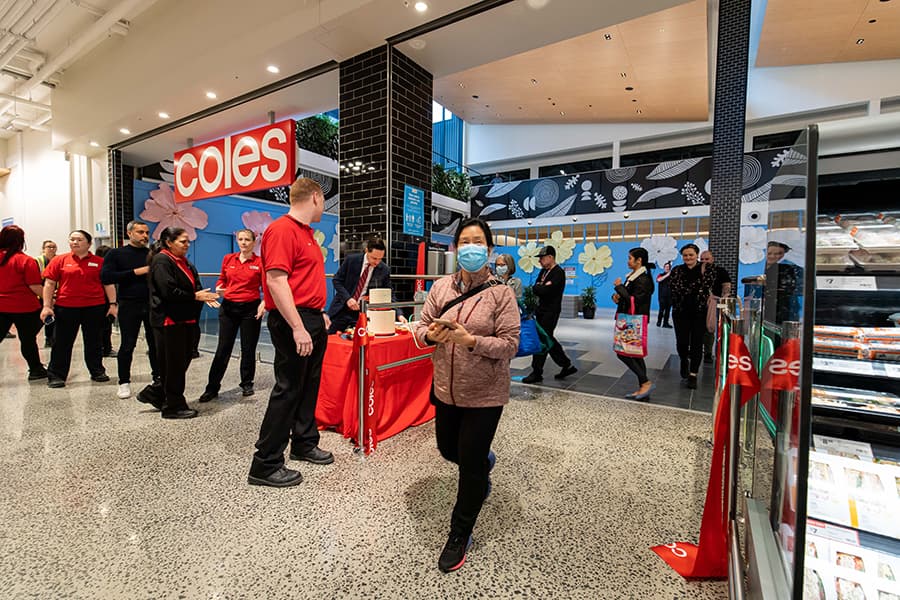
<point>40,192</point>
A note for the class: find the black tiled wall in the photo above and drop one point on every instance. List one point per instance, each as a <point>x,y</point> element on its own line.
<point>728,132</point>
<point>121,195</point>
<point>372,136</point>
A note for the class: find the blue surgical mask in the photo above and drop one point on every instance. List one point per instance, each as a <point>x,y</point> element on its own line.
<point>502,269</point>
<point>472,257</point>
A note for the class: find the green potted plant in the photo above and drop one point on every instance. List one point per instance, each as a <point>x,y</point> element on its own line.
<point>450,183</point>
<point>529,300</point>
<point>589,302</point>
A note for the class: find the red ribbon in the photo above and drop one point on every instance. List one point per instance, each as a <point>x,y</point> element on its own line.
<point>780,374</point>
<point>420,268</point>
<point>709,558</point>
<point>366,420</point>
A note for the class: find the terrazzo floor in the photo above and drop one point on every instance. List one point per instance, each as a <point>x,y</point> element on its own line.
<point>103,499</point>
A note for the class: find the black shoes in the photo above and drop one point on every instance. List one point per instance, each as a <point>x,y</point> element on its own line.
<point>283,477</point>
<point>692,382</point>
<point>533,378</point>
<point>100,378</point>
<point>152,395</point>
<point>316,456</point>
<point>666,326</point>
<point>207,396</point>
<point>55,383</point>
<point>247,390</point>
<point>184,413</point>
<point>454,554</point>
<point>685,369</point>
<point>566,372</point>
<point>110,354</point>
<point>195,354</point>
<point>37,375</point>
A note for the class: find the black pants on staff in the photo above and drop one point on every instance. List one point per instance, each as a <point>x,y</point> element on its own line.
<point>291,414</point>
<point>132,314</point>
<point>234,317</point>
<point>548,322</point>
<point>464,437</point>
<point>173,355</point>
<point>689,332</point>
<point>637,366</point>
<point>27,325</point>
<point>665,307</point>
<point>90,320</point>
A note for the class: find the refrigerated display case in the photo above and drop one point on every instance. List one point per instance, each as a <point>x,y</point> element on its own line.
<point>823,513</point>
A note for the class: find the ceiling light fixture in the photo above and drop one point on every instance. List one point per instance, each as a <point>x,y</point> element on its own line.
<point>561,172</point>
<point>534,82</point>
<point>461,84</point>
<point>860,41</point>
<point>629,89</point>
<point>273,69</point>
<point>475,96</point>
<point>623,74</point>
<point>417,44</point>
<point>163,115</point>
<point>634,99</point>
<point>562,113</point>
<point>873,20</point>
<point>421,6</point>
<point>125,131</point>
<point>607,36</point>
<point>211,95</point>
<point>94,144</point>
<point>639,111</point>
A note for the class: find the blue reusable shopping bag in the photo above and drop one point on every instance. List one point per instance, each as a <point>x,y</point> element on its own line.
<point>529,339</point>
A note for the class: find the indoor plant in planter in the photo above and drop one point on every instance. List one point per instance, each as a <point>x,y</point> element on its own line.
<point>588,302</point>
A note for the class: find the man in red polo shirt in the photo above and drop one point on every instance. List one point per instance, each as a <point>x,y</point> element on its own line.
<point>294,292</point>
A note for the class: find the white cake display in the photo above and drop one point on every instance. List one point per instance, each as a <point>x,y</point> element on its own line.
<point>381,322</point>
<point>380,296</point>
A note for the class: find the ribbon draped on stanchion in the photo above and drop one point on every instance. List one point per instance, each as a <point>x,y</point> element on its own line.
<point>366,417</point>
<point>420,268</point>
<point>709,558</point>
<point>780,374</point>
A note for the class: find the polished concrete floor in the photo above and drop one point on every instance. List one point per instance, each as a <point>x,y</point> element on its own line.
<point>103,499</point>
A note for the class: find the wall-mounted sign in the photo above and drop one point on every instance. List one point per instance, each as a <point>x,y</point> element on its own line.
<point>413,211</point>
<point>7,221</point>
<point>254,160</point>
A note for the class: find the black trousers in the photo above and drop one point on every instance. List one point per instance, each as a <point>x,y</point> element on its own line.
<point>637,366</point>
<point>106,336</point>
<point>291,414</point>
<point>234,317</point>
<point>548,322</point>
<point>49,330</point>
<point>690,328</point>
<point>173,355</point>
<point>132,314</point>
<point>665,307</point>
<point>27,325</point>
<point>464,437</point>
<point>90,320</point>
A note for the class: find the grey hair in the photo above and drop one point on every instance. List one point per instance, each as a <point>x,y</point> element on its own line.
<point>132,224</point>
<point>510,263</point>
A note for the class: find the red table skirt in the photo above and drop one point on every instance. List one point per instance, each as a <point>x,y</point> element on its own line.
<point>396,398</point>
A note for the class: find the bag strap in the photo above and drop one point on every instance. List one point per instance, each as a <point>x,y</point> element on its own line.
<point>463,297</point>
<point>632,305</point>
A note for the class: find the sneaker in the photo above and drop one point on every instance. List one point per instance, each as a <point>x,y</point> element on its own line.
<point>100,378</point>
<point>124,391</point>
<point>316,456</point>
<point>566,372</point>
<point>454,554</point>
<point>37,375</point>
<point>207,396</point>
<point>533,378</point>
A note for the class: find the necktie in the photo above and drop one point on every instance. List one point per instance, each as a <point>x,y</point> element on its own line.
<point>362,283</point>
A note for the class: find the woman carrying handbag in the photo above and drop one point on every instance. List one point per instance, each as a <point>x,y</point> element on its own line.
<point>633,299</point>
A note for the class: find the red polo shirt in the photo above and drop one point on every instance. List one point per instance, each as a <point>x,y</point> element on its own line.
<point>241,280</point>
<point>78,279</point>
<point>15,276</point>
<point>288,245</point>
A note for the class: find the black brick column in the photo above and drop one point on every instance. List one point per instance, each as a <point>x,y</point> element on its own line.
<point>728,132</point>
<point>385,124</point>
<point>121,195</point>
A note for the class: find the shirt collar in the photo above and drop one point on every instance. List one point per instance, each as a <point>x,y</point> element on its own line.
<point>635,274</point>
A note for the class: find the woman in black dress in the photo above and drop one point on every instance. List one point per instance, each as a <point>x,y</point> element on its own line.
<point>691,287</point>
<point>638,285</point>
<point>664,293</point>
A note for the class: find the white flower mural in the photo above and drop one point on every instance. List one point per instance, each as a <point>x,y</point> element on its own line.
<point>256,222</point>
<point>335,244</point>
<point>795,239</point>
<point>595,259</point>
<point>702,244</point>
<point>660,248</point>
<point>753,245</point>
<point>565,247</point>
<point>161,208</point>
<point>320,239</point>
<point>528,254</point>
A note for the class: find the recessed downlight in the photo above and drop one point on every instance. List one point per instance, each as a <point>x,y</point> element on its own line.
<point>873,20</point>
<point>421,6</point>
<point>163,114</point>
<point>125,131</point>
<point>562,113</point>
<point>624,75</point>
<point>475,96</point>
<point>461,84</point>
<point>629,89</point>
<point>534,82</point>
<point>94,144</point>
<point>860,41</point>
<point>211,95</point>
<point>607,36</point>
<point>417,44</point>
<point>273,69</point>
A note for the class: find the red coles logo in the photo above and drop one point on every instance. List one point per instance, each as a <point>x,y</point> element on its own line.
<point>254,160</point>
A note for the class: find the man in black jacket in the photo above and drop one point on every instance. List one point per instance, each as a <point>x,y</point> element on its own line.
<point>358,274</point>
<point>127,268</point>
<point>549,288</point>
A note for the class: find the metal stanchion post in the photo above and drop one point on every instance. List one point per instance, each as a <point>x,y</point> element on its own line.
<point>738,328</point>
<point>361,436</point>
<point>726,315</point>
<point>753,316</point>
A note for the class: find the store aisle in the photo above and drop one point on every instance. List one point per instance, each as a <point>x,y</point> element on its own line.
<point>103,499</point>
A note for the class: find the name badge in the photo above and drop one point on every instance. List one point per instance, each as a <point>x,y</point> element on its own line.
<point>90,264</point>
<point>254,268</point>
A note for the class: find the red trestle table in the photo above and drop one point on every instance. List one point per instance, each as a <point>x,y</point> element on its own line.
<point>396,398</point>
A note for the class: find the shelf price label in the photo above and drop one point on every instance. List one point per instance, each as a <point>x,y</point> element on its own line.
<point>848,283</point>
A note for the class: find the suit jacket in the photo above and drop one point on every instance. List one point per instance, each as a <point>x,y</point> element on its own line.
<point>171,292</point>
<point>347,277</point>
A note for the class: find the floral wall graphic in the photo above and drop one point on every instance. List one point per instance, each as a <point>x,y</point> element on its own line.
<point>528,254</point>
<point>661,249</point>
<point>596,260</point>
<point>564,246</point>
<point>256,221</point>
<point>753,244</point>
<point>162,210</point>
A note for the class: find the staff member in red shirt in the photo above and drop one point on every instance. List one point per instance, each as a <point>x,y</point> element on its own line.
<point>295,294</point>
<point>20,286</point>
<point>80,303</point>
<point>240,281</point>
<point>175,304</point>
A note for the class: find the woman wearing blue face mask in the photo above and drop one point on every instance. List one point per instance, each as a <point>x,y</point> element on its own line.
<point>477,337</point>
<point>505,267</point>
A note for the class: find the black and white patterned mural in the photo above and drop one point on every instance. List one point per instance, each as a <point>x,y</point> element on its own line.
<point>665,185</point>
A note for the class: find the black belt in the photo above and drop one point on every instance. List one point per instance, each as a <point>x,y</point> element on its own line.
<point>310,311</point>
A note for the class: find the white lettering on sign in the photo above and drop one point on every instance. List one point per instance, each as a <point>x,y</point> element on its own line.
<point>679,552</point>
<point>253,160</point>
<point>779,366</point>
<point>740,362</point>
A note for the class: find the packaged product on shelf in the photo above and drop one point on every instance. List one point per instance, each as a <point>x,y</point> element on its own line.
<point>882,351</point>
<point>877,238</point>
<point>836,332</point>
<point>853,398</point>
<point>879,334</point>
<point>849,220</point>
<point>875,261</point>
<point>840,347</point>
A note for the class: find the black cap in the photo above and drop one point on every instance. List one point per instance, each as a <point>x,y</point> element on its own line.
<point>547,251</point>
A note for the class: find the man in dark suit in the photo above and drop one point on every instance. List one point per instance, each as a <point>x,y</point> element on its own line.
<point>356,276</point>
